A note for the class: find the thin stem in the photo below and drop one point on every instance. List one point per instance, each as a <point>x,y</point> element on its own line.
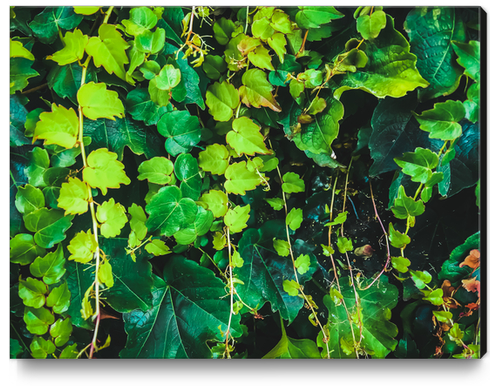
<point>34,89</point>
<point>246,21</point>
<point>232,290</point>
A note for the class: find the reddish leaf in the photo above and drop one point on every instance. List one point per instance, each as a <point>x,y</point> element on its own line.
<point>472,260</point>
<point>471,285</point>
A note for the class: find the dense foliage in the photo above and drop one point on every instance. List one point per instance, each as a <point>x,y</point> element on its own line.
<point>250,182</point>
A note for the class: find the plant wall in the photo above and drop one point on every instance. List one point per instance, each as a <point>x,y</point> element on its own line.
<point>244,182</point>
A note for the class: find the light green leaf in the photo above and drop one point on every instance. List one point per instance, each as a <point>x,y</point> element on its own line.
<point>281,247</point>
<point>472,104</point>
<point>59,127</point>
<point>435,297</point>
<point>61,331</point>
<point>313,17</point>
<point>28,199</point>
<point>98,102</point>
<point>169,212</point>
<point>23,249</point>
<point>236,218</point>
<point>70,352</point>
<point>182,130</point>
<point>51,267</point>
<point>280,21</point>
<point>32,291</point>
<point>109,50</point>
<point>369,26</point>
<point>59,298</point>
<point>82,247</point>
<point>262,29</point>
<point>469,57</point>
<point>294,218</point>
<point>245,138</point>
<point>140,20</point>
<point>49,226</point>
<point>291,287</point>
<point>455,333</point>
<point>105,274</point>
<point>187,171</point>
<point>157,248</point>
<point>261,58</point>
<point>156,170</point>
<point>38,320</point>
<point>85,10</point>
<point>420,278</point>
<point>74,49</point>
<point>112,218</point>
<point>236,260</point>
<point>142,108</point>
<point>442,122</point>
<point>17,50</point>
<point>302,264</point>
<point>104,171</point>
<point>292,183</point>
<point>443,316</point>
<point>398,239</point>
<point>200,226</point>
<point>223,30</point>
<point>419,164</point>
<point>216,201</point>
<point>390,70</point>
<point>137,223</point>
<point>38,164</point>
<point>41,348</point>
<point>406,206</point>
<point>20,71</point>
<point>214,159</point>
<point>74,196</point>
<point>340,219</point>
<point>168,78</point>
<point>239,178</point>
<point>150,42</point>
<point>401,264</point>
<point>278,43</point>
<point>276,203</point>
<point>222,99</point>
<point>344,244</point>
<point>219,241</point>
<point>256,90</point>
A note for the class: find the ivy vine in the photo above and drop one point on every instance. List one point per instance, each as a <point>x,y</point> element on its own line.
<point>244,182</point>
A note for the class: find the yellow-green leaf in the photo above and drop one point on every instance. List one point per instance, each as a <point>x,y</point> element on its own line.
<point>82,247</point>
<point>216,201</point>
<point>74,196</point>
<point>17,50</point>
<point>239,178</point>
<point>245,138</point>
<point>157,248</point>
<point>59,127</point>
<point>98,102</point>
<point>214,159</point>
<point>112,217</point>
<point>257,91</point>
<point>236,218</point>
<point>74,49</point>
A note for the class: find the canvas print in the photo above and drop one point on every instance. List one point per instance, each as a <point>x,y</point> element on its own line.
<point>243,182</point>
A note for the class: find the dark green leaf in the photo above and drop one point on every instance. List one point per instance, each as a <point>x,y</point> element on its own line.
<point>50,267</point>
<point>182,130</point>
<point>187,171</point>
<point>47,23</point>
<point>142,108</point>
<point>49,226</point>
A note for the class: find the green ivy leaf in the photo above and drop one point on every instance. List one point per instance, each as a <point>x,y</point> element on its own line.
<point>86,10</point>
<point>376,303</point>
<point>469,57</point>
<point>214,66</point>
<point>216,201</point>
<point>51,267</point>
<point>20,71</point>
<point>61,331</point>
<point>292,183</point>
<point>294,218</point>
<point>236,218</point>
<point>340,219</point>
<point>278,43</point>
<point>105,274</point>
<point>200,295</point>
<point>420,278</point>
<point>112,218</point>
<point>442,121</point>
<point>390,70</point>
<point>369,26</point>
<point>419,164</point>
<point>150,42</point>
<point>431,30</point>
<point>293,348</point>
<point>82,247</point>
<point>59,127</point>
<point>32,291</point>
<point>98,102</point>
<point>261,58</point>
<point>201,225</point>
<point>182,130</point>
<point>47,23</point>
<point>223,30</point>
<point>38,320</point>
<point>401,264</point>
<point>168,78</point>
<point>41,348</point>
<point>214,159</point>
<point>344,244</point>
<point>156,170</point>
<point>169,212</point>
<point>17,50</point>
<point>443,316</point>
<point>275,203</point>
<point>398,239</point>
<point>281,247</point>
<point>291,287</point>
<point>455,333</point>
<point>74,196</point>
<point>104,171</point>
<point>66,80</point>
<point>187,171</point>
<point>74,49</point>
<point>109,50</point>
<point>239,178</point>
<point>49,226</point>
<point>256,91</point>
<point>222,98</point>
<point>435,297</point>
<point>313,17</point>
<point>245,138</point>
<point>142,108</point>
<point>302,263</point>
<point>28,199</point>
<point>406,206</point>
<point>157,248</point>
<point>23,249</point>
<point>59,298</point>
<point>140,20</point>
<point>472,104</point>
<point>137,223</point>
